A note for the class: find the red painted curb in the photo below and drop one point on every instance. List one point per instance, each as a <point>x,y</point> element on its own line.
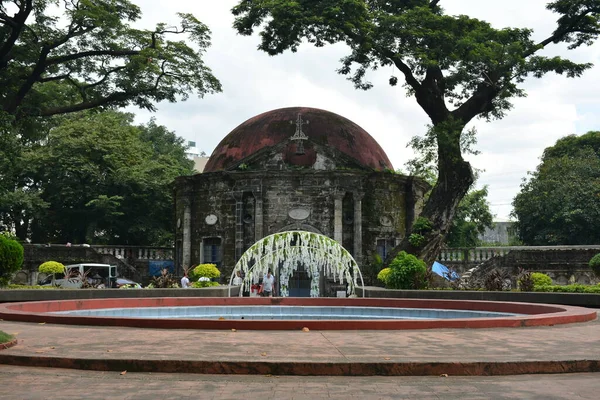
<point>484,368</point>
<point>535,314</point>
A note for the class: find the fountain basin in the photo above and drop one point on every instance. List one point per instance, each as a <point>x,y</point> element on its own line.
<point>531,314</point>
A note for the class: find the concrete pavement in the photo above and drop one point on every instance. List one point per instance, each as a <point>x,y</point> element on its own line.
<point>19,383</point>
<point>493,351</point>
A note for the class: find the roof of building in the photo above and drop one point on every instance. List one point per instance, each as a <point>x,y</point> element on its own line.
<point>321,127</point>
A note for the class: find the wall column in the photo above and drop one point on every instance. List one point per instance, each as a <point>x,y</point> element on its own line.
<point>187,235</point>
<point>337,217</point>
<point>239,224</point>
<point>358,226</point>
<point>258,217</point>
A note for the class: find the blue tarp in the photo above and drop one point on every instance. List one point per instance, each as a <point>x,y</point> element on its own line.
<point>444,271</point>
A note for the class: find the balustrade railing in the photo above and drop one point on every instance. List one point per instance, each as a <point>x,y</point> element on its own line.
<point>478,255</point>
<point>136,252</point>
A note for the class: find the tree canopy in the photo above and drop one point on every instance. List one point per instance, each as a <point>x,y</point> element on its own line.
<point>100,179</point>
<point>560,202</point>
<point>93,55</point>
<point>456,67</point>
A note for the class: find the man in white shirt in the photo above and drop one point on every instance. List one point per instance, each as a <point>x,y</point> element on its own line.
<point>268,283</point>
<point>185,281</point>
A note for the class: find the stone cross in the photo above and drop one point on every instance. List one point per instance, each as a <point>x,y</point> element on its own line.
<point>299,135</point>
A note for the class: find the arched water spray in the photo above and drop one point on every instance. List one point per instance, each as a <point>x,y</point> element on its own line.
<point>285,251</point>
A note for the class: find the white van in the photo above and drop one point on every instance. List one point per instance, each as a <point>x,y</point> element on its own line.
<point>96,275</point>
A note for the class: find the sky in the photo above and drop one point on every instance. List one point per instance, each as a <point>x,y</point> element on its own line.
<point>254,82</point>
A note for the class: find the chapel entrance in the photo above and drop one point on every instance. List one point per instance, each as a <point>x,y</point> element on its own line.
<point>299,283</point>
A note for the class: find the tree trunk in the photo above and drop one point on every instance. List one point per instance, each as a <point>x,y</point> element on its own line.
<point>455,177</point>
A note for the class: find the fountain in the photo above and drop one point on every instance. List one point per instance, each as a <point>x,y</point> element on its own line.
<point>285,251</point>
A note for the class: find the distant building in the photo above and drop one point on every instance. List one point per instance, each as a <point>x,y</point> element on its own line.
<point>199,157</point>
<point>502,233</point>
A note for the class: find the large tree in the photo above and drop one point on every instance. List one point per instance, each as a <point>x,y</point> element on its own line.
<point>106,180</point>
<point>560,202</point>
<point>456,67</point>
<point>90,48</point>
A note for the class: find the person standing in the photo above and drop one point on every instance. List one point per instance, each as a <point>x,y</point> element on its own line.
<point>185,281</point>
<point>268,284</point>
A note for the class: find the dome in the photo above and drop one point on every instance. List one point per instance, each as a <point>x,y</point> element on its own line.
<point>321,128</point>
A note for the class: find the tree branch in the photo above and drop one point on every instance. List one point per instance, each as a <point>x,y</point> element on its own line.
<point>479,102</point>
<point>101,81</point>
<point>558,34</point>
<point>19,19</point>
<point>54,78</point>
<point>433,3</point>
<point>86,105</point>
<point>91,53</point>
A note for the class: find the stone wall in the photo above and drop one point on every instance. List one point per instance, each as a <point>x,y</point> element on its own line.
<point>564,264</point>
<point>238,208</point>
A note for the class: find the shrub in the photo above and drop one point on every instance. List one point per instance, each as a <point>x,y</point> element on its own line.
<point>416,240</point>
<point>407,272</point>
<point>51,268</point>
<point>383,275</point>
<point>164,280</point>
<point>202,284</point>
<point>5,337</point>
<point>496,280</point>
<point>595,264</point>
<point>569,288</point>
<point>525,281</point>
<point>540,279</point>
<point>422,225</point>
<point>11,257</point>
<point>204,270</point>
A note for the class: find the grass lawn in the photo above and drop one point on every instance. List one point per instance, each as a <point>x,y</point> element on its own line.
<point>5,337</point>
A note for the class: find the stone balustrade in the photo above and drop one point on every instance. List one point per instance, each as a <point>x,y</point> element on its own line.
<point>141,253</point>
<point>477,255</point>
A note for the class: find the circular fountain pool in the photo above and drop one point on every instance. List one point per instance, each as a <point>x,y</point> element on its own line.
<point>286,313</point>
<point>293,313</point>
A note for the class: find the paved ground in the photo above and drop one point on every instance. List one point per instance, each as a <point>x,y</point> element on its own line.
<point>18,383</point>
<point>563,348</point>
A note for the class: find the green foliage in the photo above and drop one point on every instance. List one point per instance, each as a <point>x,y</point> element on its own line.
<point>416,240</point>
<point>11,258</point>
<point>568,288</point>
<point>383,275</point>
<point>90,51</point>
<point>110,181</point>
<point>559,204</point>
<point>5,337</point>
<point>595,264</point>
<point>407,272</point>
<point>540,279</point>
<point>422,225</point>
<point>31,287</point>
<point>203,284</point>
<point>51,268</point>
<point>204,270</point>
<point>472,217</point>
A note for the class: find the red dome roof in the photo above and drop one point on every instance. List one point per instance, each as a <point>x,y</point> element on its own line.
<point>273,127</point>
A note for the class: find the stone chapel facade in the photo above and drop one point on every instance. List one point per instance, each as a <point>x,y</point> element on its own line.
<point>293,169</point>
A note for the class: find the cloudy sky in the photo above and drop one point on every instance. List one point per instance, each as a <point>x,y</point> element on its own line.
<point>254,83</point>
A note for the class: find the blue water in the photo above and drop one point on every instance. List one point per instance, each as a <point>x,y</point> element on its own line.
<point>286,313</point>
